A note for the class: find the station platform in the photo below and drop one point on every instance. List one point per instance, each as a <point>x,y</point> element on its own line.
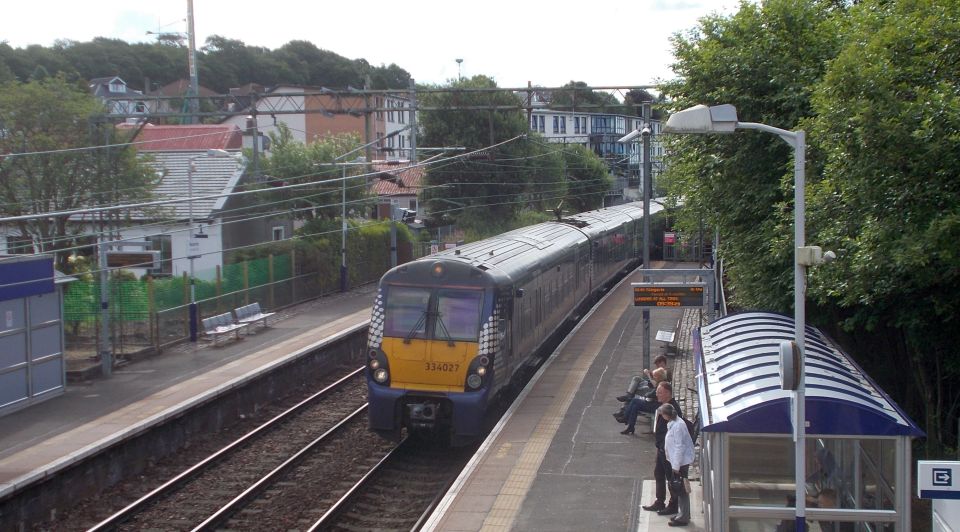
<point>43,439</point>
<point>557,460</point>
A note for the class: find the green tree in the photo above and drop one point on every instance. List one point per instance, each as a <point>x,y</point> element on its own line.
<point>764,59</point>
<point>293,162</point>
<point>888,116</point>
<point>47,165</point>
<point>587,176</point>
<point>496,181</point>
<point>575,96</point>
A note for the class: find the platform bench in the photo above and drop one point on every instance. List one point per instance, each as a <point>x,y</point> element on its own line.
<point>221,324</point>
<point>250,314</point>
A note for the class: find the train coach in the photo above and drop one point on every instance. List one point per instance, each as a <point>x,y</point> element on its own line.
<point>450,331</point>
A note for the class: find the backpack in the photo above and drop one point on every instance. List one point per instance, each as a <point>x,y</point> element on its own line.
<point>692,428</point>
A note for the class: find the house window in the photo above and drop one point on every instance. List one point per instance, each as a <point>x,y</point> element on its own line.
<point>413,204</point>
<point>379,105</point>
<point>390,113</point>
<point>533,123</point>
<point>563,125</point>
<point>401,142</point>
<point>556,125</point>
<point>542,128</point>
<point>278,233</point>
<point>400,114</point>
<point>576,125</point>
<point>116,86</point>
<point>19,245</point>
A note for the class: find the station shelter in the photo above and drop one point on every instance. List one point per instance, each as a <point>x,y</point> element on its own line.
<point>32,364</point>
<point>858,441</point>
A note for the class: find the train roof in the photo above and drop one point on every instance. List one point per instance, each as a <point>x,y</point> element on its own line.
<point>516,252</point>
<point>739,383</point>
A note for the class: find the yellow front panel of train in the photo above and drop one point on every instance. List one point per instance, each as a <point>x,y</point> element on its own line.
<point>432,365</point>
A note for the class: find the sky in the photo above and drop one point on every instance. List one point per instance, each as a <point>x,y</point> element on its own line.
<point>547,43</point>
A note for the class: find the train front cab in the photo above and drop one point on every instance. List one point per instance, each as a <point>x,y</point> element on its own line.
<point>431,350</point>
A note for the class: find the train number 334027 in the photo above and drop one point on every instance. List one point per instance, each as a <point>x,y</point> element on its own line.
<point>441,366</point>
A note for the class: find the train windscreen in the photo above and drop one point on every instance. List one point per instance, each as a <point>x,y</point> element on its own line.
<point>405,311</point>
<point>458,315</point>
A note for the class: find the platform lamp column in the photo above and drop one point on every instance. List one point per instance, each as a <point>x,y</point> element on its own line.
<point>723,119</point>
<point>647,190</point>
<point>191,251</point>
<point>343,229</point>
<point>645,184</point>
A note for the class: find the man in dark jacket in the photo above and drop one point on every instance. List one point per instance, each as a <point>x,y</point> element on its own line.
<point>664,395</point>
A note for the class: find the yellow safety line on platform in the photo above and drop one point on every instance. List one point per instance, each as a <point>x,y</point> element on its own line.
<point>507,504</point>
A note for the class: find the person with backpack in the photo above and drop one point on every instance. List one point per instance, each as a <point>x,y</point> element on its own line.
<point>678,447</point>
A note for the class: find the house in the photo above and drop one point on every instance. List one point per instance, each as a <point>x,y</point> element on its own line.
<point>397,184</point>
<point>202,161</point>
<point>323,113</point>
<point>600,132</point>
<point>118,98</point>
<point>161,103</point>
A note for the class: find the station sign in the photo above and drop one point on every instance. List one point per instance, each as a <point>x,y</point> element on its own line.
<point>938,479</point>
<point>671,295</point>
<point>133,259</point>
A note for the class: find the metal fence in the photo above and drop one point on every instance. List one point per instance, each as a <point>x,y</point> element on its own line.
<point>147,315</point>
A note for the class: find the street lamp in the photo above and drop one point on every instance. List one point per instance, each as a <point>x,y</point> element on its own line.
<point>459,61</point>
<point>723,119</point>
<point>646,185</point>
<point>191,252</point>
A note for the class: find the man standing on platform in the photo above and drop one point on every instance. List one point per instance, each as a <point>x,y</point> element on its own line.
<point>664,396</point>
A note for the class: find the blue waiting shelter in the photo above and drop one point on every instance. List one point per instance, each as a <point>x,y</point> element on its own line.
<point>857,439</point>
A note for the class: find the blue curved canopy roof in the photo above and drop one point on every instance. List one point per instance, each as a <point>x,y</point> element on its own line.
<point>738,376</point>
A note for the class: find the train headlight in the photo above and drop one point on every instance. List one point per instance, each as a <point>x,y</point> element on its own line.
<point>474,381</point>
<point>481,371</point>
<point>380,375</point>
<point>374,363</point>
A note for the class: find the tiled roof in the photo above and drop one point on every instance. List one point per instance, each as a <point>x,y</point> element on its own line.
<point>179,88</point>
<point>190,137</point>
<point>396,179</point>
<point>211,175</point>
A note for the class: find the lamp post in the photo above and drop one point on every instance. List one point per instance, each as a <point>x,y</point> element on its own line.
<point>191,252</point>
<point>646,184</point>
<point>723,119</point>
<point>359,161</point>
<point>459,61</point>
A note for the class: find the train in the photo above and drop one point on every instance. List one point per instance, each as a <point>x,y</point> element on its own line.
<point>449,332</point>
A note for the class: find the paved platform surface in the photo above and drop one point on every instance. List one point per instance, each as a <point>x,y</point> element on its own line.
<point>47,437</point>
<point>557,461</point>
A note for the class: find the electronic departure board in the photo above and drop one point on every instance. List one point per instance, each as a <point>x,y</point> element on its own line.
<point>675,295</point>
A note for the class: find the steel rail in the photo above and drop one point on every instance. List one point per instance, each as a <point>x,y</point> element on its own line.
<point>333,511</point>
<point>133,508</point>
<point>220,516</point>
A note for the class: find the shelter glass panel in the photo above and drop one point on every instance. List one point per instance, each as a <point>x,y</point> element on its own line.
<point>761,471</point>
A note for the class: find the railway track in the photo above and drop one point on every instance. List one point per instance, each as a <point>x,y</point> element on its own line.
<point>400,491</point>
<point>326,428</point>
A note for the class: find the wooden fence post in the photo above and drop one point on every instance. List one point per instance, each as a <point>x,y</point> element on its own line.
<point>246,282</point>
<point>270,279</point>
<point>219,288</point>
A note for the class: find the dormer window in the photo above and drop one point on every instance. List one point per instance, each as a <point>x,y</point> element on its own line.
<point>116,85</point>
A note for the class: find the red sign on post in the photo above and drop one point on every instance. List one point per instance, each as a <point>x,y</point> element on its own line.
<point>669,238</point>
